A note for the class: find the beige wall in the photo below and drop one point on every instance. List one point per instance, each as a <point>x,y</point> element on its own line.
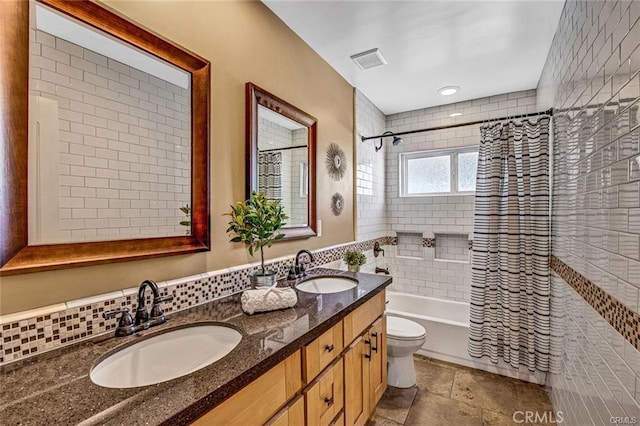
<point>244,42</point>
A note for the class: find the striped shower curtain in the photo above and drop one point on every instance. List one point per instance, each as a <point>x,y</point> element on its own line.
<point>510,291</point>
<point>270,174</point>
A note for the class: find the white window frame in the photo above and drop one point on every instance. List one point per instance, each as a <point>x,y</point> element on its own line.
<point>453,158</point>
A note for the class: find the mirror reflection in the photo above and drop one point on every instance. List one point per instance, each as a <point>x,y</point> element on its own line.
<point>109,137</point>
<point>281,158</point>
<point>282,163</point>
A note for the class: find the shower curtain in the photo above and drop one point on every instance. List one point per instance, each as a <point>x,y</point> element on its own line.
<point>510,292</point>
<point>270,174</point>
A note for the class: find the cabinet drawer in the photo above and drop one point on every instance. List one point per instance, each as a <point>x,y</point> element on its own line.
<point>321,352</point>
<point>291,415</point>
<point>324,399</point>
<point>274,389</point>
<point>359,320</point>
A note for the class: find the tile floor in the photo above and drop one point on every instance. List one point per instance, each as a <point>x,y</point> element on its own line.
<point>452,395</point>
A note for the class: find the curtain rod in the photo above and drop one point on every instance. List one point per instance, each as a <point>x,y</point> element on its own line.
<point>451,126</point>
<point>282,149</point>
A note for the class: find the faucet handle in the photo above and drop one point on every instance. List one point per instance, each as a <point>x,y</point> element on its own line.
<point>112,313</point>
<point>160,299</point>
<point>157,314</point>
<point>125,324</point>
<point>293,273</point>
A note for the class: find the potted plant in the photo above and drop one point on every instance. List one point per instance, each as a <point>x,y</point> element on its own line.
<point>354,259</point>
<point>255,222</point>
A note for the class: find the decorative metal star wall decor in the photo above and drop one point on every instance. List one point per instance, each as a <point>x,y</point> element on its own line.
<point>337,204</point>
<point>336,162</point>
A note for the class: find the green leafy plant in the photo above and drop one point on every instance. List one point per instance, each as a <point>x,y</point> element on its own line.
<point>255,223</point>
<point>187,212</point>
<point>354,258</point>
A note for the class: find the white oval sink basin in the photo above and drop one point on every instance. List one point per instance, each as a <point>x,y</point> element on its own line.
<point>165,357</point>
<point>325,285</point>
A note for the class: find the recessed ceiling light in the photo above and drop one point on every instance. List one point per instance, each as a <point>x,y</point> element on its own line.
<point>369,59</point>
<point>455,114</point>
<point>448,90</point>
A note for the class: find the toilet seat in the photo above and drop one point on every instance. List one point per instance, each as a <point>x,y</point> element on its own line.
<point>404,329</point>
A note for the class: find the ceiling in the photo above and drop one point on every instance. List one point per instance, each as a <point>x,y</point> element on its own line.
<point>485,47</point>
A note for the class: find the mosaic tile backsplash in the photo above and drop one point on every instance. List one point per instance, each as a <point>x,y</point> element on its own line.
<point>22,335</point>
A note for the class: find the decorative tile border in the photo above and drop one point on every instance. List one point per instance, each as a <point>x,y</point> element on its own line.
<point>617,314</point>
<point>30,333</point>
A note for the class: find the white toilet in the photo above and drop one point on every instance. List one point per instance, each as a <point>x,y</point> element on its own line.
<point>404,338</point>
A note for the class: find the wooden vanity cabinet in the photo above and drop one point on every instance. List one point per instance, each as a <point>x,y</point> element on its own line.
<point>323,384</point>
<point>257,402</point>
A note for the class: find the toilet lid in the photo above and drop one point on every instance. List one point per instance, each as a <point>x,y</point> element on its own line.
<point>401,328</point>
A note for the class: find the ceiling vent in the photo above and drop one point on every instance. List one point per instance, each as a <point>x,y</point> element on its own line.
<point>369,59</point>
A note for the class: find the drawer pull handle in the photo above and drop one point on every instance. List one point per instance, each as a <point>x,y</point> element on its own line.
<point>328,401</point>
<point>368,342</point>
<point>329,348</point>
<point>375,348</point>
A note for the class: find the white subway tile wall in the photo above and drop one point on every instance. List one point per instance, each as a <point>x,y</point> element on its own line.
<point>410,245</point>
<point>453,247</point>
<point>591,79</point>
<point>370,171</point>
<point>452,214</point>
<point>124,143</point>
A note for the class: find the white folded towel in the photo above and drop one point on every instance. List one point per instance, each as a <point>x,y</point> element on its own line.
<point>268,299</point>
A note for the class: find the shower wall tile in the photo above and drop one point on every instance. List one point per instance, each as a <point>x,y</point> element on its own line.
<point>370,172</point>
<point>591,79</point>
<point>439,214</point>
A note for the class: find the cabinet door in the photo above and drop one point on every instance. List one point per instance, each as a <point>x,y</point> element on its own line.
<point>356,382</point>
<point>275,388</point>
<point>377,338</point>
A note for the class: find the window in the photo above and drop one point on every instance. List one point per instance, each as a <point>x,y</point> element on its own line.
<point>442,172</point>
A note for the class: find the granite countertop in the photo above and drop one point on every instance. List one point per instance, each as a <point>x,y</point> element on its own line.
<point>55,388</point>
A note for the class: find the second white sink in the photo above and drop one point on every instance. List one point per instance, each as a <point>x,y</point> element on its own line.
<point>325,285</point>
<point>166,356</point>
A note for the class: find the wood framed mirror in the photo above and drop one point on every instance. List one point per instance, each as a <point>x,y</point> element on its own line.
<point>105,152</point>
<point>281,158</point>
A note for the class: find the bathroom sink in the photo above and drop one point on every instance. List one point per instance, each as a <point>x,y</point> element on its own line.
<point>325,285</point>
<point>165,356</point>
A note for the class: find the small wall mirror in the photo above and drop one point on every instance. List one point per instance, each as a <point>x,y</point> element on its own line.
<point>281,146</point>
<point>117,141</point>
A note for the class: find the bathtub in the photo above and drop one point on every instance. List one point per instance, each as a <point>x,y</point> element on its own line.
<point>447,325</point>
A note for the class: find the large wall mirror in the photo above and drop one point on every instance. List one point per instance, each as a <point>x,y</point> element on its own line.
<point>281,158</point>
<point>111,154</point>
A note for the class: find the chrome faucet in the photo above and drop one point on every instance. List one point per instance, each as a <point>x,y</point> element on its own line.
<point>143,320</point>
<point>299,270</point>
